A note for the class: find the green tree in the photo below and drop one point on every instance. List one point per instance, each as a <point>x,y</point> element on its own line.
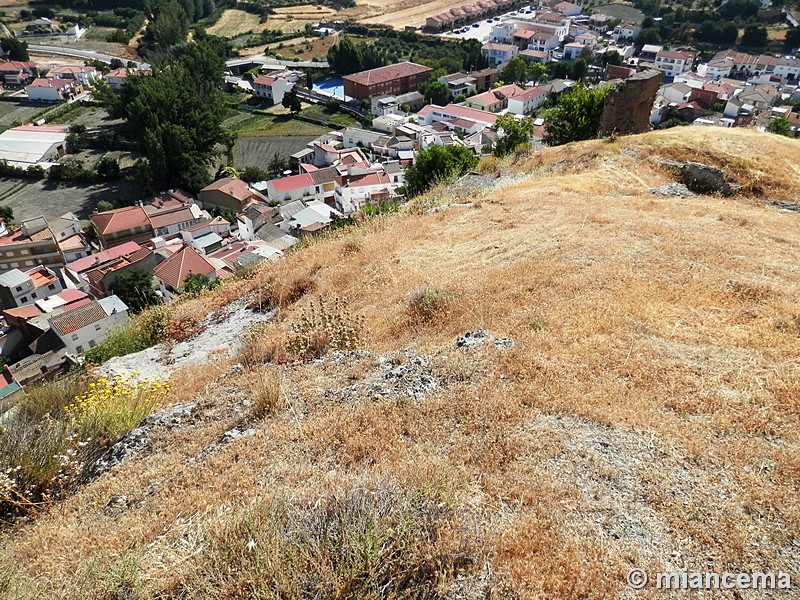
<point>515,71</point>
<point>780,126</point>
<point>15,49</point>
<point>579,69</point>
<point>576,116</point>
<point>196,283</point>
<point>291,101</point>
<point>107,167</point>
<point>253,174</point>
<point>277,165</point>
<point>755,36</point>
<point>176,115</point>
<point>536,72</point>
<point>6,214</point>
<point>648,35</point>
<point>610,58</point>
<point>344,57</point>
<point>135,288</point>
<point>438,164</point>
<point>513,134</point>
<point>435,92</point>
<point>792,40</point>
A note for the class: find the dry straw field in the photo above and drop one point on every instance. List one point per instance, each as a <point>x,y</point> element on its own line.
<point>647,414</point>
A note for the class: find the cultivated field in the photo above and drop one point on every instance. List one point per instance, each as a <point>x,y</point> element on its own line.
<point>235,22</point>
<point>13,114</point>
<point>397,13</point>
<point>258,151</point>
<point>31,199</point>
<point>295,18</point>
<point>626,12</point>
<point>635,402</point>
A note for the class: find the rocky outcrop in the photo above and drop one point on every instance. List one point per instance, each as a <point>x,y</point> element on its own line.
<point>627,106</point>
<point>700,178</point>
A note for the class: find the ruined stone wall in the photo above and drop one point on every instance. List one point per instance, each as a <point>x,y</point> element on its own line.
<point>627,107</point>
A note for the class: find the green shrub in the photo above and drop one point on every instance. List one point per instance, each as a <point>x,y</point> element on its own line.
<point>425,304</point>
<point>138,333</point>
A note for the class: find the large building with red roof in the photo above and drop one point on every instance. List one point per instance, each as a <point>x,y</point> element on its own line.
<point>391,80</point>
<point>172,273</point>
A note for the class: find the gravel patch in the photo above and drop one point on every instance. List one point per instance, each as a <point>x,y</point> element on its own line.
<point>220,336</point>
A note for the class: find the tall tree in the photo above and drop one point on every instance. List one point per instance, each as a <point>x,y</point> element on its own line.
<point>576,116</point>
<point>513,134</point>
<point>291,101</point>
<point>135,288</point>
<point>435,92</point>
<point>755,36</point>
<point>15,49</point>
<point>515,71</point>
<point>176,116</point>
<point>437,164</point>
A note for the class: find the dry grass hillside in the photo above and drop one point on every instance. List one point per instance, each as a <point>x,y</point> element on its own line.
<point>645,415</point>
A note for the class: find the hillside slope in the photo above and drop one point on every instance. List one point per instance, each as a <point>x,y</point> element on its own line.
<point>635,402</point>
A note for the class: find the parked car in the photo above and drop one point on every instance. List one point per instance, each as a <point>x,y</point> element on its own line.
<point>476,25</point>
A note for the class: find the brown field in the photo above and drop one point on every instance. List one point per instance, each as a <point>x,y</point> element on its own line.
<point>646,416</point>
<point>398,14</point>
<point>235,22</point>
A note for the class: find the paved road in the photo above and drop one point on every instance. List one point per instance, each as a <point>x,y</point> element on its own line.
<point>85,54</point>
<point>275,62</point>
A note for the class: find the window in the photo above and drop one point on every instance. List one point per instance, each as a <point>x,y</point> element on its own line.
<point>79,349</point>
<point>19,288</point>
<point>52,286</point>
<point>74,336</point>
<point>97,327</point>
<point>92,344</point>
<point>33,295</point>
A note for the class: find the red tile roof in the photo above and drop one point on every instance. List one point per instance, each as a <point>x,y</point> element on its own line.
<point>264,80</point>
<point>50,83</point>
<point>89,262</point>
<point>387,73</point>
<point>71,295</point>
<point>78,318</point>
<point>363,180</point>
<point>235,188</point>
<point>171,218</point>
<point>122,219</point>
<point>176,268</point>
<point>15,66</point>
<point>293,182</point>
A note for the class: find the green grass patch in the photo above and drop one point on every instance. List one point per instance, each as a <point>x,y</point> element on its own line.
<point>138,333</point>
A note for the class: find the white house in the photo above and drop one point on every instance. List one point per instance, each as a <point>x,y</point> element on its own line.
<point>18,288</point>
<point>86,326</point>
<point>49,90</point>
<point>567,9</point>
<point>271,88</point>
<point>674,62</point>
<point>294,187</point>
<point>625,32</point>
<point>81,74</point>
<point>498,54</point>
<point>526,102</point>
<point>676,93</point>
<point>716,68</point>
<point>353,191</point>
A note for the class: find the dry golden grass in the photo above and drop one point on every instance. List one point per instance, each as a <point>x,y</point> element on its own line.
<point>647,415</point>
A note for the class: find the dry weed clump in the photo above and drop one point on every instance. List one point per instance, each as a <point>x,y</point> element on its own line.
<point>266,392</point>
<point>362,543</point>
<point>426,304</point>
<point>327,324</point>
<point>279,293</point>
<point>258,347</point>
